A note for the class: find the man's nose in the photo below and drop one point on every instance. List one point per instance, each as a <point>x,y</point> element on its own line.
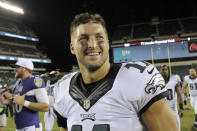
<point>92,43</point>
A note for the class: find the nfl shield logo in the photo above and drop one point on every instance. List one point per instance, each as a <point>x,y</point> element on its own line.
<point>86,104</point>
<point>20,88</point>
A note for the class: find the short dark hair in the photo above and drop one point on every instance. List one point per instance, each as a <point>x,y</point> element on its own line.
<point>84,18</point>
<point>162,66</point>
<point>193,66</point>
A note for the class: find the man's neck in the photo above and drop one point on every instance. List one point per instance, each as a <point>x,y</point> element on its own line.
<point>25,75</point>
<point>90,77</point>
<point>166,78</point>
<point>193,76</point>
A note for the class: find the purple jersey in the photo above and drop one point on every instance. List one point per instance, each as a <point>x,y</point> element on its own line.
<point>25,117</point>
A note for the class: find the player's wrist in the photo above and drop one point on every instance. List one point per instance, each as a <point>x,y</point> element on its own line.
<point>26,103</point>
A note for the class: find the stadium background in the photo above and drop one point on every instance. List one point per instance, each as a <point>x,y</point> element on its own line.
<point>157,32</point>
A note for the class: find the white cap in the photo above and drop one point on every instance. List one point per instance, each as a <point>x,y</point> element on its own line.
<point>26,63</point>
<point>52,72</point>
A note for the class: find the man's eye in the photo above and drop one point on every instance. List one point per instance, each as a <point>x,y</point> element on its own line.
<point>99,37</point>
<point>83,38</point>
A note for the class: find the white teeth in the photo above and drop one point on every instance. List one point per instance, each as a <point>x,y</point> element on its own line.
<point>93,54</point>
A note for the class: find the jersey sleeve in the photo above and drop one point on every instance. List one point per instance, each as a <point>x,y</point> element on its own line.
<point>38,82</point>
<point>151,88</point>
<point>178,79</point>
<point>61,121</point>
<point>61,94</point>
<point>186,78</point>
<point>41,95</point>
<point>60,98</point>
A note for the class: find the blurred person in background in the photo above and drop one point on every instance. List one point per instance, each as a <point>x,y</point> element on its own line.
<point>174,92</point>
<point>29,97</point>
<point>184,95</point>
<point>191,82</point>
<point>9,108</point>
<point>51,85</point>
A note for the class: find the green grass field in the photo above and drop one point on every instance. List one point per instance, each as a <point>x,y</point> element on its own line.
<point>186,121</point>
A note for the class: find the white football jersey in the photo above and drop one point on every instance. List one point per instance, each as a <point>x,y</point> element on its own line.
<point>192,84</point>
<point>50,92</point>
<point>172,95</point>
<point>116,103</point>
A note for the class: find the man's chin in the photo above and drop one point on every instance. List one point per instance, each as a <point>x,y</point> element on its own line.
<point>92,67</point>
<point>16,76</point>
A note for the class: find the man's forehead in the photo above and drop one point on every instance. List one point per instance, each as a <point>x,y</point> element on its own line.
<point>192,69</point>
<point>164,68</point>
<point>89,28</point>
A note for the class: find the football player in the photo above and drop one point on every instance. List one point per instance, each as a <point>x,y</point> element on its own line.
<point>29,97</point>
<point>49,117</point>
<point>184,95</point>
<point>109,97</point>
<point>173,87</point>
<point>191,82</point>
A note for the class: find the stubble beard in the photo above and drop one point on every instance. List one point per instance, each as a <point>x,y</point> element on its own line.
<point>93,68</point>
<point>17,76</point>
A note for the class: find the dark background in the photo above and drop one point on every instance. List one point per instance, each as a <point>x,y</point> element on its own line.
<point>51,20</point>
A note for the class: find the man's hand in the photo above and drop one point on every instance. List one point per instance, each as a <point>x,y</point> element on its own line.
<point>6,98</point>
<point>19,100</point>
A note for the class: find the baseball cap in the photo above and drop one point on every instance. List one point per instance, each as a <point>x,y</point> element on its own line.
<point>26,63</point>
<point>52,72</point>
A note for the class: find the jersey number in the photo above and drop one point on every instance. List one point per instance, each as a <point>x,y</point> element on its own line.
<point>50,91</point>
<point>140,67</point>
<point>193,86</point>
<point>18,108</point>
<point>170,94</point>
<point>103,127</point>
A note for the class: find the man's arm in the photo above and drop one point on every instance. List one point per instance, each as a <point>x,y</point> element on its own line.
<point>160,117</point>
<point>177,89</point>
<point>43,107</point>
<point>185,85</point>
<point>180,100</point>
<point>36,106</point>
<point>40,95</point>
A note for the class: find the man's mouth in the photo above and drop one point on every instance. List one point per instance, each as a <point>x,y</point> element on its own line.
<point>93,53</point>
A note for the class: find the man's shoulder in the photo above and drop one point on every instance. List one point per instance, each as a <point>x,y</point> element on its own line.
<point>142,75</point>
<point>37,81</point>
<point>175,77</point>
<point>141,83</point>
<point>66,78</point>
<point>186,77</point>
<point>61,84</point>
<point>138,68</point>
<point>61,90</point>
<point>32,78</point>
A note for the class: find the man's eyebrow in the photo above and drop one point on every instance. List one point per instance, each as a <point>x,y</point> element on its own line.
<point>99,33</point>
<point>83,35</point>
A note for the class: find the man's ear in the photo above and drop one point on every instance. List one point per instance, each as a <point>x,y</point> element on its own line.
<point>72,48</point>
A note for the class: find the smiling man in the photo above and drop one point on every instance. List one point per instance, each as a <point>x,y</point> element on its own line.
<point>109,97</point>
